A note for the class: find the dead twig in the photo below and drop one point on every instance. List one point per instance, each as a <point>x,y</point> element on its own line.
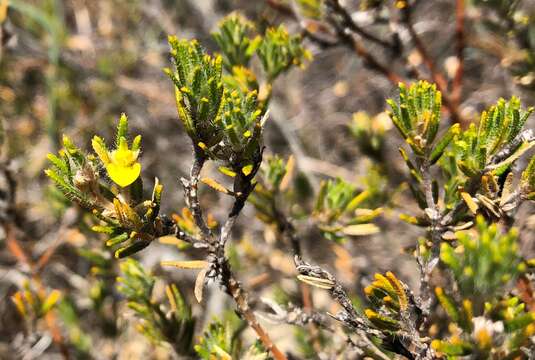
<point>456,88</point>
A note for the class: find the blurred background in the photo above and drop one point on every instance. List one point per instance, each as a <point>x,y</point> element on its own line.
<point>73,66</point>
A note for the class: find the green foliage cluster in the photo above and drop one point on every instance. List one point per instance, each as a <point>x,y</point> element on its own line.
<point>224,114</point>
<point>390,302</point>
<point>464,233</point>
<point>481,148</point>
<point>338,211</point>
<point>129,221</point>
<point>218,102</point>
<point>174,325</point>
<point>463,181</point>
<point>483,264</point>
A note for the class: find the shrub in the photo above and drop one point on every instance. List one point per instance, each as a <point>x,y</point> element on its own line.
<point>467,182</point>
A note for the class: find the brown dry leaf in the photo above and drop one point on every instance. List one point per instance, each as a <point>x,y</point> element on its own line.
<point>361,229</point>
<point>469,202</point>
<point>507,189</point>
<point>215,185</point>
<point>199,284</point>
<point>489,205</point>
<point>189,264</point>
<point>290,168</point>
<point>317,282</point>
<point>171,240</point>
<point>449,236</point>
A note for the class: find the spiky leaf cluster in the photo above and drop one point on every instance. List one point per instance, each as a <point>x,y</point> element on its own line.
<point>174,325</point>
<point>390,301</point>
<point>76,176</point>
<point>241,145</point>
<point>497,141</point>
<point>279,51</point>
<point>33,302</point>
<point>483,261</point>
<point>223,113</point>
<point>216,342</point>
<point>223,123</point>
<point>417,117</point>
<point>198,89</point>
<point>129,222</point>
<point>238,42</point>
<point>235,43</point>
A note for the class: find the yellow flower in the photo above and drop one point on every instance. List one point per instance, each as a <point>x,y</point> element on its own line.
<point>121,164</point>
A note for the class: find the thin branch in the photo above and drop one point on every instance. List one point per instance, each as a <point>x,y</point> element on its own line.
<point>191,191</point>
<point>349,40</point>
<point>437,77</point>
<point>235,290</point>
<point>219,265</point>
<point>345,31</point>
<point>347,21</point>
<point>434,215</point>
<point>456,89</point>
<point>281,8</point>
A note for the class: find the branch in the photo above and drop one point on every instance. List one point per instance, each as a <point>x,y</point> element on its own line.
<point>347,21</point>
<point>219,265</point>
<point>348,39</point>
<point>191,192</point>
<point>433,213</point>
<point>239,295</point>
<point>456,89</point>
<point>436,75</point>
<point>344,31</point>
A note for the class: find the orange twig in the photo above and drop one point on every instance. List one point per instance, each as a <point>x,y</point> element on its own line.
<point>240,298</point>
<point>14,247</point>
<point>21,256</point>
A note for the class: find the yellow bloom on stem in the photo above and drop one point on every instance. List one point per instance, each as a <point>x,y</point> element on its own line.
<point>121,164</point>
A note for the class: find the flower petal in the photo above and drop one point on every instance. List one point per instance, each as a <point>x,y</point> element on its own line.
<point>123,175</point>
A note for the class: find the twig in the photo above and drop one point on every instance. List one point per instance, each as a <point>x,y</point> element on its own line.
<point>434,215</point>
<point>219,265</point>
<point>345,31</point>
<point>348,22</point>
<point>436,75</point>
<point>191,190</point>
<point>281,8</point>
<point>456,88</point>
<point>359,49</point>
